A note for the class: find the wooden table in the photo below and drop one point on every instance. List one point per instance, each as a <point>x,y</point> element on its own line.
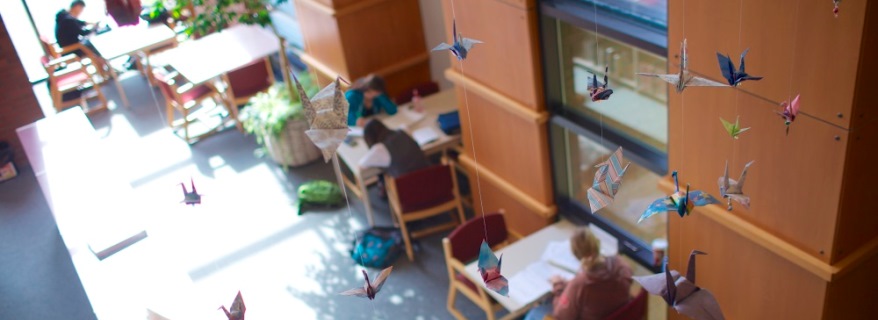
<point>351,153</point>
<point>521,254</point>
<point>214,55</point>
<point>124,41</point>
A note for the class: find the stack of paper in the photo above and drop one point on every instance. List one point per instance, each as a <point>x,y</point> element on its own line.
<point>426,135</point>
<point>532,283</point>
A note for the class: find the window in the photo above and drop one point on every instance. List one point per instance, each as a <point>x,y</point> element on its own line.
<point>631,38</point>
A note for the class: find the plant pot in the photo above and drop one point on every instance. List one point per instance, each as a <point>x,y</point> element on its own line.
<point>292,147</point>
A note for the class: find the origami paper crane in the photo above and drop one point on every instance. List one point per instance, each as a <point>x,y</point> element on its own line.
<point>190,198</point>
<point>237,309</point>
<point>370,289</point>
<point>327,114</point>
<point>679,202</point>
<point>684,78</point>
<point>734,190</point>
<point>598,91</point>
<point>835,3</point>
<point>734,77</point>
<point>607,181</point>
<point>790,111</point>
<point>734,129</point>
<point>681,293</point>
<point>489,268</point>
<point>461,45</point>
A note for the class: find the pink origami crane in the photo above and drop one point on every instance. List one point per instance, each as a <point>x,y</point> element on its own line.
<point>237,309</point>
<point>370,289</point>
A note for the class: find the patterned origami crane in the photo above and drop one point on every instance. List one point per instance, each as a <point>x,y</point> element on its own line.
<point>679,202</point>
<point>607,181</point>
<point>489,268</point>
<point>237,309</point>
<point>734,77</point>
<point>681,293</point>
<point>190,198</point>
<point>327,114</point>
<point>684,78</point>
<point>370,289</point>
<point>790,111</point>
<point>599,91</point>
<point>461,45</point>
<point>835,4</point>
<point>734,190</point>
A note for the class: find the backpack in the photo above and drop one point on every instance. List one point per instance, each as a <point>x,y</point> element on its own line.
<point>378,247</point>
<point>319,193</point>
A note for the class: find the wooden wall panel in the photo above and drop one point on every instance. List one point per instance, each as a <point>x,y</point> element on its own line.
<point>748,281</point>
<point>381,35</point>
<point>858,216</point>
<point>853,295</point>
<point>322,37</point>
<point>519,219</point>
<point>815,56</point>
<point>513,148</point>
<point>508,61</point>
<point>795,183</point>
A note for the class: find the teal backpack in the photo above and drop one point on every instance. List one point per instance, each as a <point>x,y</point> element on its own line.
<point>319,193</point>
<point>378,247</point>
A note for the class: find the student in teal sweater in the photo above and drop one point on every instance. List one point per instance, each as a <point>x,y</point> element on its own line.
<point>367,98</point>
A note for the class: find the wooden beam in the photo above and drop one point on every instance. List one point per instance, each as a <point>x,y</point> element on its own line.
<point>514,107</point>
<point>545,211</point>
<point>346,10</point>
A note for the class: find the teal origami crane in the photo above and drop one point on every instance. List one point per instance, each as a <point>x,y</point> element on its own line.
<point>489,269</point>
<point>682,203</point>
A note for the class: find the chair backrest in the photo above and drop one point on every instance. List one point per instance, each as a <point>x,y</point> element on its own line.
<point>466,238</point>
<point>251,78</point>
<point>424,89</point>
<point>425,188</point>
<point>165,84</point>
<point>634,310</point>
<point>49,49</point>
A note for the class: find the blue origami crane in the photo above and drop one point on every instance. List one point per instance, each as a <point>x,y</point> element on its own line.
<point>679,202</point>
<point>461,45</point>
<point>489,268</point>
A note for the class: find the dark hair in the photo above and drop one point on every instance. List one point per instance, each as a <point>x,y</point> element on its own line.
<point>370,82</point>
<point>374,132</point>
<point>77,3</point>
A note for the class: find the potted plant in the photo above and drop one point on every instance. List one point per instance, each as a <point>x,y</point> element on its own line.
<point>278,121</point>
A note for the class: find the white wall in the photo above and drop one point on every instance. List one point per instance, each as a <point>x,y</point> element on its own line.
<point>434,32</point>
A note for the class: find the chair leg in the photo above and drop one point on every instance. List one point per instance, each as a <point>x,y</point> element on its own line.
<point>186,125</point>
<point>452,297</point>
<point>407,239</point>
<point>169,110</point>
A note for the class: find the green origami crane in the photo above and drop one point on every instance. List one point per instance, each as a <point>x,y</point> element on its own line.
<point>734,129</point>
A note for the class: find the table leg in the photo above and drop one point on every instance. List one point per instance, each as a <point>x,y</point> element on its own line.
<point>119,88</point>
<point>364,195</point>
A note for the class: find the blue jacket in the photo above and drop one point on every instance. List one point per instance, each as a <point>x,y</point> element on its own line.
<point>355,99</point>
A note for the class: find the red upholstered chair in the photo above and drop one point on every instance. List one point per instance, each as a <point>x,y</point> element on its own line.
<point>184,97</point>
<point>422,194</point>
<point>424,89</point>
<point>249,80</point>
<point>634,310</point>
<point>71,83</point>
<point>461,247</point>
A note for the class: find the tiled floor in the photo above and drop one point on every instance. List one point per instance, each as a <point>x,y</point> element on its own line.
<point>246,236</point>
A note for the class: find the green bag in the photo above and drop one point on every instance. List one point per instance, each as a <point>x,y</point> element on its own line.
<point>319,193</point>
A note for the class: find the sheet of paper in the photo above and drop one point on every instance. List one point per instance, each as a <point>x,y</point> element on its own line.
<point>426,135</point>
<point>356,132</point>
<point>558,254</point>
<point>532,283</point>
<point>403,119</point>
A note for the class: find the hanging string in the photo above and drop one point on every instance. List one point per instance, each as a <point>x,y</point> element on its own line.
<point>793,49</point>
<point>597,52</point>
<point>737,90</point>
<point>682,132</point>
<point>471,136</point>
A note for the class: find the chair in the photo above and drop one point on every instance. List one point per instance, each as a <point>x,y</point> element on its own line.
<point>422,194</point>
<point>462,246</point>
<point>634,310</point>
<point>182,96</point>
<point>249,80</point>
<point>69,77</point>
<point>424,89</point>
<point>88,58</point>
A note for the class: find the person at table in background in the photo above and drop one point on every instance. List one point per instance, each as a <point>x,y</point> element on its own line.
<point>601,287</point>
<point>394,151</point>
<point>367,98</point>
<point>70,30</point>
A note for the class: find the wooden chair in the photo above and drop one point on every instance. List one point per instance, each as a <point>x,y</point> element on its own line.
<point>184,97</point>
<point>87,57</point>
<point>422,194</point>
<point>249,80</point>
<point>462,246</point>
<point>71,83</point>
<point>424,89</point>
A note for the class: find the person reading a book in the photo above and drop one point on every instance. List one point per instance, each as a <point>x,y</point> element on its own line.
<point>600,287</point>
<point>367,98</point>
<point>395,152</point>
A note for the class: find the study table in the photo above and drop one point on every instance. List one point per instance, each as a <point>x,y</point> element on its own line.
<point>129,40</point>
<point>406,119</point>
<point>523,254</point>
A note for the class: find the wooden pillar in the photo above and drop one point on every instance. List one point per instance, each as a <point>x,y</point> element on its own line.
<point>18,105</point>
<point>806,248</point>
<point>501,84</point>
<point>353,38</point>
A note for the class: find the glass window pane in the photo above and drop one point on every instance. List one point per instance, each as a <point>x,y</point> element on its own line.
<point>638,107</point>
<point>649,11</point>
<point>575,175</point>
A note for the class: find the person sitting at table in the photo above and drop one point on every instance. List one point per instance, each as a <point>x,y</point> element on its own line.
<point>69,29</point>
<point>394,151</point>
<point>601,287</point>
<point>367,98</point>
